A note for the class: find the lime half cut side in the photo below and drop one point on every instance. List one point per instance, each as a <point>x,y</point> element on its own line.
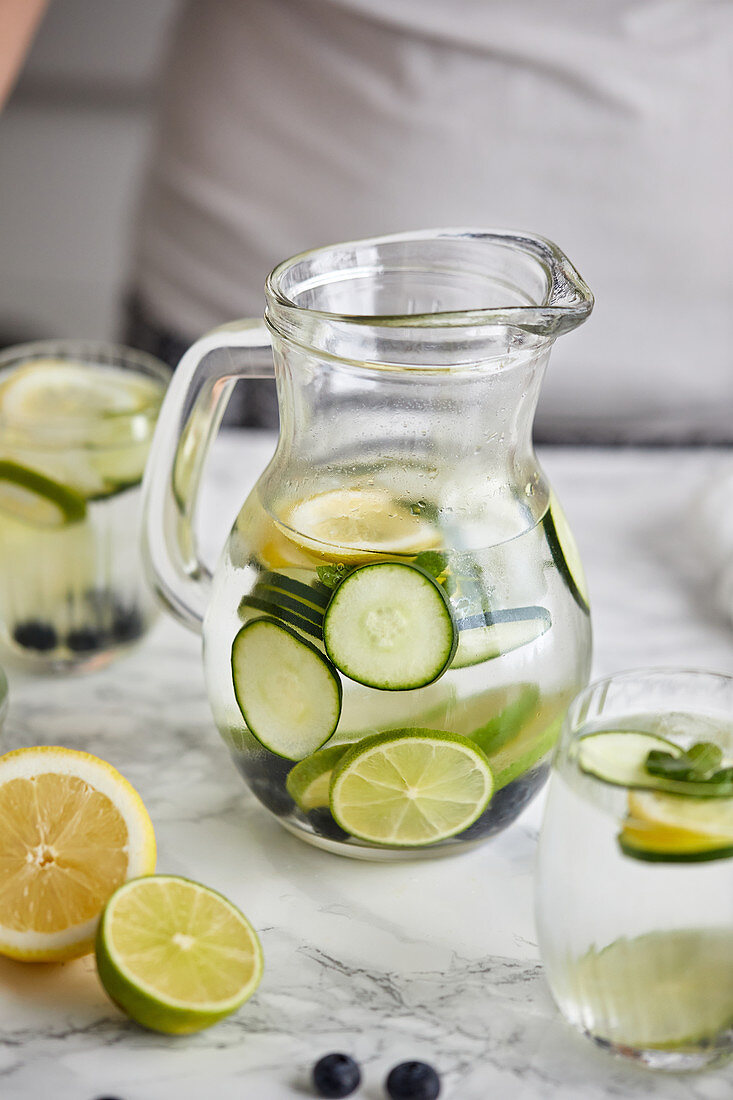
<point>175,955</point>
<point>37,500</point>
<point>409,788</point>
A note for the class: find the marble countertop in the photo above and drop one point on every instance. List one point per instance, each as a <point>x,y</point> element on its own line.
<point>433,960</point>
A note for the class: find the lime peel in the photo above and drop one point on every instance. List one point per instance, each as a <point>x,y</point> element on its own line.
<point>185,924</point>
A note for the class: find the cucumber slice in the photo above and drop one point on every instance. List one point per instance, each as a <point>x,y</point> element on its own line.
<point>618,757</point>
<point>271,607</point>
<point>389,626</point>
<point>308,594</point>
<point>289,693</point>
<point>38,500</point>
<point>565,554</point>
<point>309,781</point>
<point>492,633</point>
<point>289,603</point>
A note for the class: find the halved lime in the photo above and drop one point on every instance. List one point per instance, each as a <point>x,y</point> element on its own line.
<point>309,782</point>
<point>175,955</point>
<point>411,787</point>
<point>675,828</point>
<point>35,499</point>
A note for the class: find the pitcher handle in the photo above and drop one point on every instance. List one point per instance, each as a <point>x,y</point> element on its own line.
<point>189,419</point>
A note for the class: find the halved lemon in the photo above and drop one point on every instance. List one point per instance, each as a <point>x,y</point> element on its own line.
<point>175,955</point>
<point>352,525</point>
<point>72,829</point>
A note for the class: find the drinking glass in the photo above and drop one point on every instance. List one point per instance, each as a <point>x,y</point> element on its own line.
<point>635,876</point>
<point>76,420</point>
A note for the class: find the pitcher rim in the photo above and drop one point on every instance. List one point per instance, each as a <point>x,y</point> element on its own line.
<point>568,300</point>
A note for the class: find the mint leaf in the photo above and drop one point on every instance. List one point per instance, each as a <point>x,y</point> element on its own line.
<point>723,779</point>
<point>433,562</point>
<point>332,575</point>
<point>667,766</point>
<point>705,758</point>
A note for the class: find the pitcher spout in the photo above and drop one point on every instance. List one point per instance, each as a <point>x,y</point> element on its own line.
<point>465,285</point>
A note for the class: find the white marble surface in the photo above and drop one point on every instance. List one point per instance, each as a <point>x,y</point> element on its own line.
<point>434,960</point>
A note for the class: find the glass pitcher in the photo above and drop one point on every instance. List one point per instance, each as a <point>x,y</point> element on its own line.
<point>399,618</point>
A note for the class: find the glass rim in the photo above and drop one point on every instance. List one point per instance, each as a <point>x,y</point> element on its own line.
<point>567,302</point>
<point>631,674</point>
<point>83,352</point>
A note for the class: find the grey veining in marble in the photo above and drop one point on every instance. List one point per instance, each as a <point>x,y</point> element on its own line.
<point>434,960</point>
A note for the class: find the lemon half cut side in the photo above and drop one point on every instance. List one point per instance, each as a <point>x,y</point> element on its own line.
<point>72,830</point>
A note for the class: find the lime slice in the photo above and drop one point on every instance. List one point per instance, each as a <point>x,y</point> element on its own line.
<point>506,721</point>
<point>176,956</point>
<point>409,788</point>
<point>675,828</point>
<point>662,990</point>
<point>309,781</point>
<point>352,525</point>
<point>534,740</point>
<point>35,499</point>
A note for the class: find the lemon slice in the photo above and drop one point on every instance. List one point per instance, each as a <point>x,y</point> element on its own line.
<point>411,787</point>
<point>35,499</point>
<point>677,828</point>
<point>664,990</point>
<point>72,830</point>
<point>350,525</point>
<point>58,389</point>
<point>176,956</point>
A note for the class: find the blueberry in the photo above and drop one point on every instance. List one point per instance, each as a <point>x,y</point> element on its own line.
<point>507,804</point>
<point>36,635</point>
<point>127,624</point>
<point>84,639</point>
<point>412,1081</point>
<point>336,1075</point>
<point>325,825</point>
<point>265,775</point>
